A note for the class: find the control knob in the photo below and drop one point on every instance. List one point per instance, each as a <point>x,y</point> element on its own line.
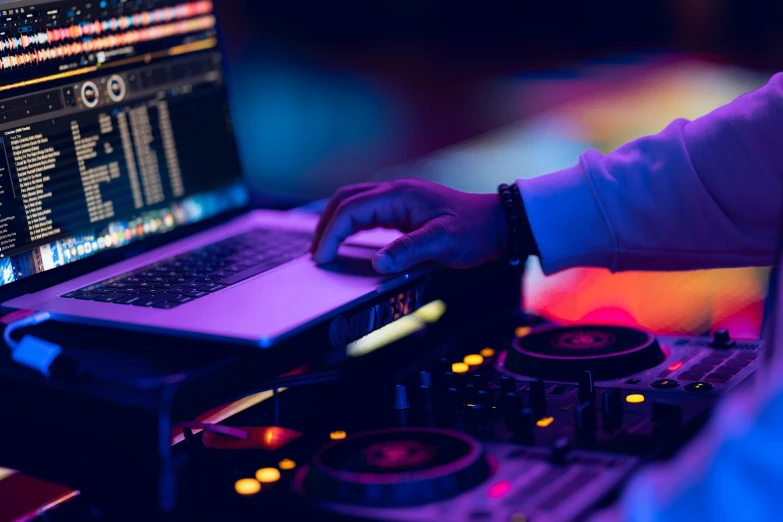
<point>523,426</point>
<point>613,409</point>
<point>425,391</point>
<point>508,385</point>
<point>401,404</point>
<point>560,450</point>
<point>586,388</point>
<point>585,423</point>
<point>537,397</point>
<point>721,339</point>
<point>511,404</point>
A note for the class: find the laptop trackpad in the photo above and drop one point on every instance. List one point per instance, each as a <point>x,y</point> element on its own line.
<point>353,260</point>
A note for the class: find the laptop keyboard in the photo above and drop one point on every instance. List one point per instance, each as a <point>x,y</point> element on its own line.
<point>198,273</point>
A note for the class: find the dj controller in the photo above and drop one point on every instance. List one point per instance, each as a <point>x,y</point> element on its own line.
<point>532,422</point>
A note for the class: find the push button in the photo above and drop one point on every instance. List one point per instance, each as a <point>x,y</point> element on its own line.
<point>718,377</point>
<point>699,387</point>
<point>664,384</point>
<point>690,376</point>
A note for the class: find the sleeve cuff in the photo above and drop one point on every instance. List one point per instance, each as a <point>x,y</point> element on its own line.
<point>567,221</point>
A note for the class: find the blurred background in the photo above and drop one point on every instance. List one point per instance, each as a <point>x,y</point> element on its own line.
<point>473,94</point>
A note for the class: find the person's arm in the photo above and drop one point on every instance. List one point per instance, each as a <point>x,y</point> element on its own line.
<point>700,194</point>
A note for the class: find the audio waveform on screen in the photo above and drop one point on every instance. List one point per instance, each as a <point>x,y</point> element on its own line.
<point>99,27</point>
<point>103,43</point>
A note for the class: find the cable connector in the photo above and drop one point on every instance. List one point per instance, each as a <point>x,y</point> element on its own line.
<point>42,356</point>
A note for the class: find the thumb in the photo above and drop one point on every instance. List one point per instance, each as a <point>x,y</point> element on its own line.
<point>432,242</point>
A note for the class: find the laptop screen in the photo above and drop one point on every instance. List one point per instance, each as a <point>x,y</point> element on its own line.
<point>114,127</point>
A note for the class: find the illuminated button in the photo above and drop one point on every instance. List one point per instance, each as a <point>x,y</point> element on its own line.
<point>487,352</point>
<point>287,464</point>
<point>459,367</point>
<point>337,435</point>
<point>699,387</point>
<point>473,359</point>
<point>522,331</point>
<point>665,384</point>
<point>675,366</point>
<point>635,398</point>
<point>247,486</point>
<point>499,489</point>
<point>546,421</point>
<point>268,475</point>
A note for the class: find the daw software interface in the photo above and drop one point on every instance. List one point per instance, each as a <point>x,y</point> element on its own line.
<point>113,126</point>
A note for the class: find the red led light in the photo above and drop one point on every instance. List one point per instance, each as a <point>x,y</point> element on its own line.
<point>499,489</point>
<point>674,366</point>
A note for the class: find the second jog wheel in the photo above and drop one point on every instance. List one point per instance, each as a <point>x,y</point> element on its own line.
<point>116,87</point>
<point>89,94</point>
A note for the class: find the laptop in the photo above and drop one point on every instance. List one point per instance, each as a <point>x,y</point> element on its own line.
<point>122,201</point>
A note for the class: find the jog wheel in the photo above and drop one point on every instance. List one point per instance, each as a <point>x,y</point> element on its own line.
<point>564,353</point>
<point>396,468</point>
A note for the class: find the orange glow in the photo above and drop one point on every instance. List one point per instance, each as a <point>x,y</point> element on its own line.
<point>287,464</point>
<point>662,302</point>
<point>268,475</point>
<point>674,366</point>
<point>270,438</point>
<point>546,421</point>
<point>487,352</point>
<point>247,486</point>
<point>522,331</point>
<point>459,367</point>
<point>473,359</point>
<point>221,413</point>
<point>337,435</point>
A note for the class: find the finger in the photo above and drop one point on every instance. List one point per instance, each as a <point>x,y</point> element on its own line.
<point>362,211</point>
<point>338,197</point>
<point>432,242</point>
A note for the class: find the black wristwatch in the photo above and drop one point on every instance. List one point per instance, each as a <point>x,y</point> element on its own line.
<point>521,242</point>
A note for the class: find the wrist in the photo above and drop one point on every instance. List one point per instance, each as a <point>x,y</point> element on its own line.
<point>519,240</point>
<point>499,225</point>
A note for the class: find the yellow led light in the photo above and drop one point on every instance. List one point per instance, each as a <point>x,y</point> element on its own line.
<point>518,517</point>
<point>337,435</point>
<point>287,464</point>
<point>635,398</point>
<point>268,475</point>
<point>522,331</point>
<point>247,486</point>
<point>487,352</point>
<point>546,421</point>
<point>473,359</point>
<point>459,367</point>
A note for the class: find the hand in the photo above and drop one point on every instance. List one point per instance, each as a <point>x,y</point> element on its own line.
<point>452,228</point>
